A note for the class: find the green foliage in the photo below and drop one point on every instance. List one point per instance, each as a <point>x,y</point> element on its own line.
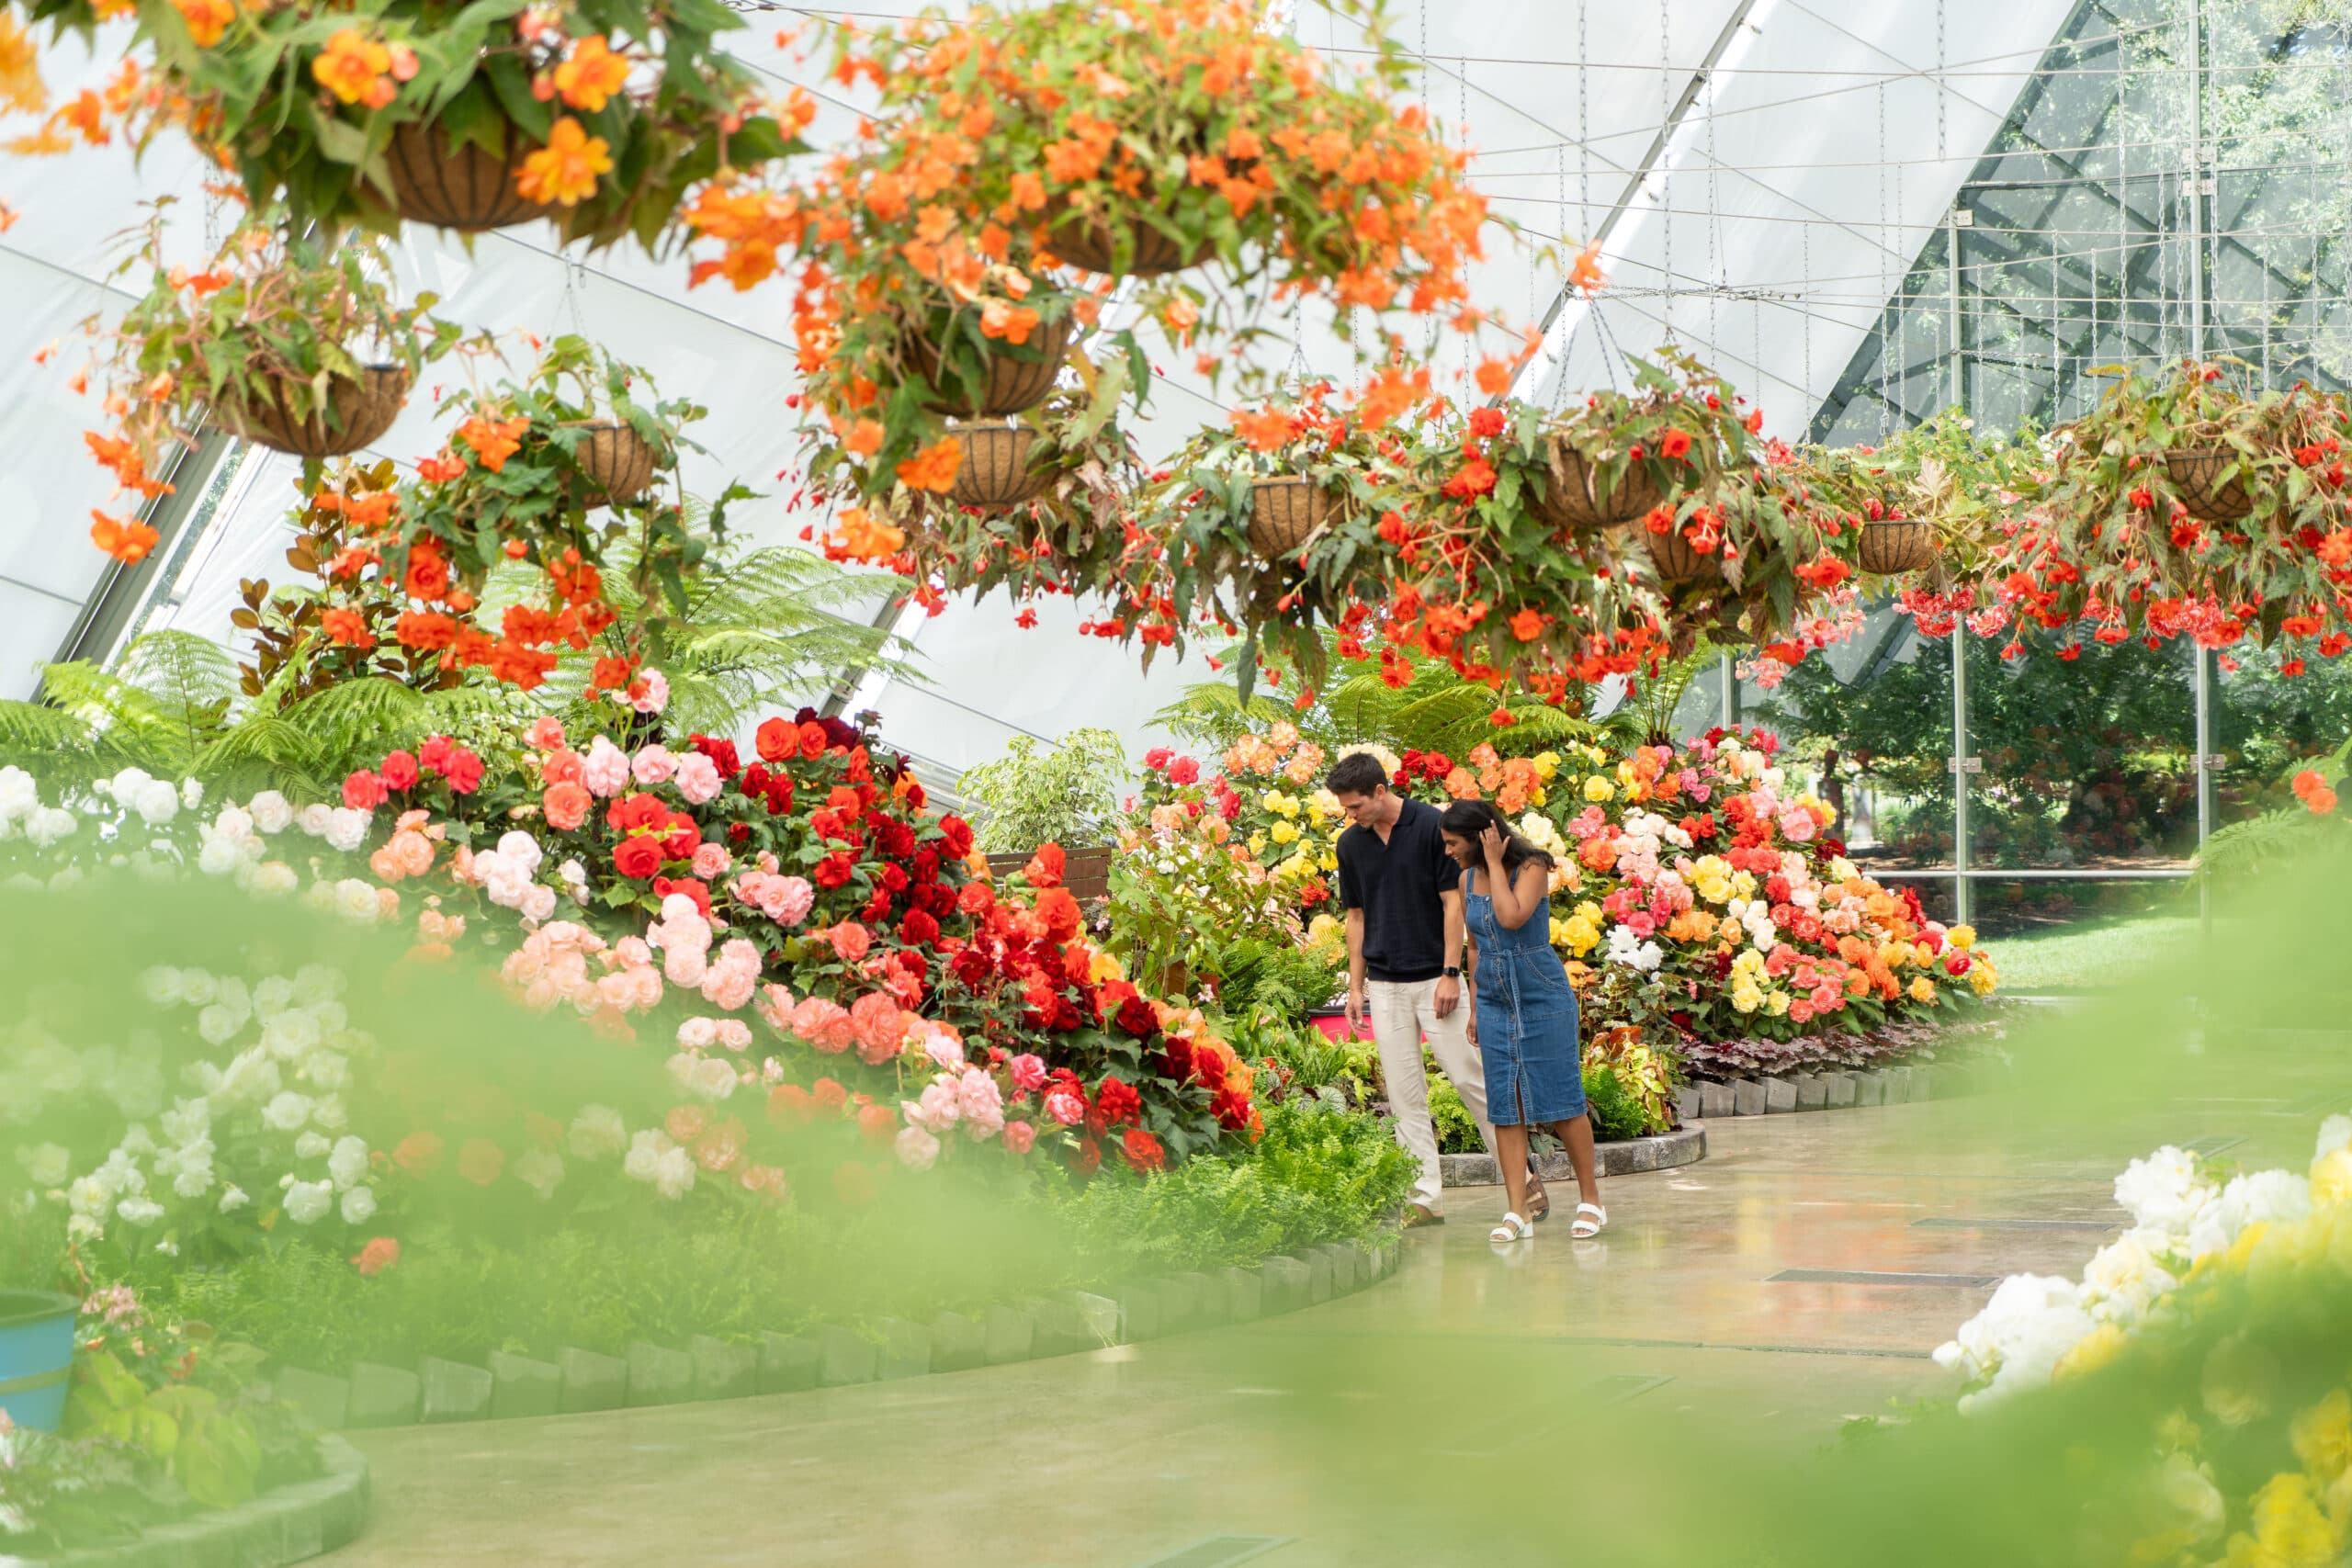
<point>1257,977</point>
<point>1617,1113</point>
<point>1458,1130</point>
<point>1066,794</point>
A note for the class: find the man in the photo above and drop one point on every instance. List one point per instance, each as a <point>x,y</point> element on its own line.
<point>1403,895</point>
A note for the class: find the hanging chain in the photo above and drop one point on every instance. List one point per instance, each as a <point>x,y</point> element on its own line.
<point>1666,171</point>
<point>1885,248</point>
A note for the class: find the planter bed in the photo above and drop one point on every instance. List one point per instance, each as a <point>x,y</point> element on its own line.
<point>1686,1144</point>
<point>292,1524</point>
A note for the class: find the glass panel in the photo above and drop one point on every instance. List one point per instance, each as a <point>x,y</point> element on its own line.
<point>2267,726</point>
<point>2089,763</point>
<point>1869,726</point>
<point>2051,935</point>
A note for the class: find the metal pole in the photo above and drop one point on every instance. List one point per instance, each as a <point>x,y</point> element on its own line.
<point>1962,903</point>
<point>2199,160</point>
<point>2207,759</point>
<point>1952,311</point>
<point>1730,689</point>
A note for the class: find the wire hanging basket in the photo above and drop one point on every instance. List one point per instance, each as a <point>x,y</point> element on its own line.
<point>452,185</point>
<point>1086,240</point>
<point>618,460</point>
<point>2196,478</point>
<point>1678,561</point>
<point>1014,385</point>
<point>1889,548</point>
<point>1285,513</point>
<point>356,412</point>
<point>1579,496</point>
<point>994,472</point>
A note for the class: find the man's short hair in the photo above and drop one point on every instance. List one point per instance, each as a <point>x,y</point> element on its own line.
<point>1357,772</point>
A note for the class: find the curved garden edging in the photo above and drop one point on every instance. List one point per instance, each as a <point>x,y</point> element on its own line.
<point>709,1368</point>
<point>1840,1089</point>
<point>290,1525</point>
<point>1662,1151</point>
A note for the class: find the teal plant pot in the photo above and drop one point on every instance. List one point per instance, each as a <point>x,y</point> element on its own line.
<point>36,1356</point>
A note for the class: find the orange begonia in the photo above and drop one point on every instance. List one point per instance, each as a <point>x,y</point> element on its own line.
<point>564,173</point>
<point>352,67</point>
<point>933,468</point>
<point>206,20</point>
<point>492,441</point>
<point>591,75</point>
<point>124,539</point>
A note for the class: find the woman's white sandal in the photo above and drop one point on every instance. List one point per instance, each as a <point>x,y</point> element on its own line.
<point>1590,1218</point>
<point>1513,1228</point>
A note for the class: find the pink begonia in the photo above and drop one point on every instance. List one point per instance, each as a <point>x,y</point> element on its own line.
<point>711,861</point>
<point>698,1033</point>
<point>685,966</point>
<point>604,769</point>
<point>824,1024</point>
<point>1797,825</point>
<point>545,734</point>
<point>939,1106</point>
<point>942,1046</point>
<point>733,1033</point>
<point>917,1148</point>
<point>729,986</point>
<point>1020,1137</point>
<point>1028,1071</point>
<point>775,1008</point>
<point>982,1103</point>
<point>1064,1106</point>
<point>632,952</point>
<point>698,779</point>
<point>653,765</point>
<point>657,693</point>
<point>880,1028</point>
<point>794,896</point>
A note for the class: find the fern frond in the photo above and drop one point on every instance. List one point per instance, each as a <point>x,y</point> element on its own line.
<point>33,729</point>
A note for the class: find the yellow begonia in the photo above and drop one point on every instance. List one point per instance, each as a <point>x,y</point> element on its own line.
<point>2290,1528</point>
<point>2102,1346</point>
<point>1962,936</point>
<point>2330,1177</point>
<point>1257,844</point>
<point>1547,764</point>
<point>1277,802</point>
<point>1576,934</point>
<point>2322,1436</point>
<point>1923,989</point>
<point>1329,861</point>
<point>1745,997</point>
<point>1282,833</point>
<point>1983,978</point>
<point>1598,789</point>
<point>1776,1003</point>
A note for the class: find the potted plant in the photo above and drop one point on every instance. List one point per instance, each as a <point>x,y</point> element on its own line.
<point>599,117</point>
<point>555,471</point>
<point>1013,145</point>
<point>36,1356</point>
<point>296,345</point>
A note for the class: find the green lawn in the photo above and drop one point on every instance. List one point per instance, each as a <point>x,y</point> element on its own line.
<point>2090,956</point>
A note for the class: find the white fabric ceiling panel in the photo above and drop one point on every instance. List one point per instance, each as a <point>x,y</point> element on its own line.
<point>32,623</point>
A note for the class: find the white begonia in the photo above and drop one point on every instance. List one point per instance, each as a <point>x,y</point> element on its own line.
<point>19,794</point>
<point>194,1178</point>
<point>219,856</point>
<point>541,1171</point>
<point>347,829</point>
<point>597,1133</point>
<point>2267,1197</point>
<point>186,1122</point>
<point>329,1112</point>
<point>673,1176</point>
<point>359,1205</point>
<point>709,1077</point>
<point>292,1033</point>
<point>307,1202</point>
<point>317,985</point>
<point>270,812</point>
<point>276,878</point>
<point>287,1110</point>
<point>273,995</point>
<point>355,902</point>
<point>124,785</point>
<point>312,1146</point>
<point>313,818</point>
<point>232,1198</point>
<point>219,1024</point>
<point>199,988</point>
<point>2335,1134</point>
<point>327,1070</point>
<point>644,1161</point>
<point>2164,1194</point>
<point>45,1164</point>
<point>48,825</point>
<point>2030,1322</point>
<point>2124,1279</point>
<point>191,793</point>
<point>251,1078</point>
<point>347,1165</point>
<point>161,986</point>
<point>141,1211</point>
<point>155,802</point>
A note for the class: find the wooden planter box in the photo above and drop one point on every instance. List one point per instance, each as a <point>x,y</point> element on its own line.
<point>1086,873</point>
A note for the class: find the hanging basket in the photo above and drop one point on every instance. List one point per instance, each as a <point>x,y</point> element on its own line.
<point>1889,548</point>
<point>1285,513</point>
<point>1579,497</point>
<point>1014,386</point>
<point>1677,561</point>
<point>995,472</point>
<point>1085,241</point>
<point>618,461</point>
<point>2196,478</point>
<point>355,413</point>
<point>459,186</point>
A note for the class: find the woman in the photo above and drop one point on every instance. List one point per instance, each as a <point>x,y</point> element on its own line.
<point>1522,1009</point>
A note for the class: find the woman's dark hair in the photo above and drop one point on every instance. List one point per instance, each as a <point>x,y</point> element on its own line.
<point>1469,818</point>
<point>1357,772</point>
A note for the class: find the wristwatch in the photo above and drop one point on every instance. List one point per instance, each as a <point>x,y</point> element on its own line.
<point>1453,971</point>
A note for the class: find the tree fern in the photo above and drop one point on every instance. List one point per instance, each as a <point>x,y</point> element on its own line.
<point>2259,843</point>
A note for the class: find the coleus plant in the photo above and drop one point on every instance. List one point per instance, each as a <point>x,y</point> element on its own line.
<point>605,113</point>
